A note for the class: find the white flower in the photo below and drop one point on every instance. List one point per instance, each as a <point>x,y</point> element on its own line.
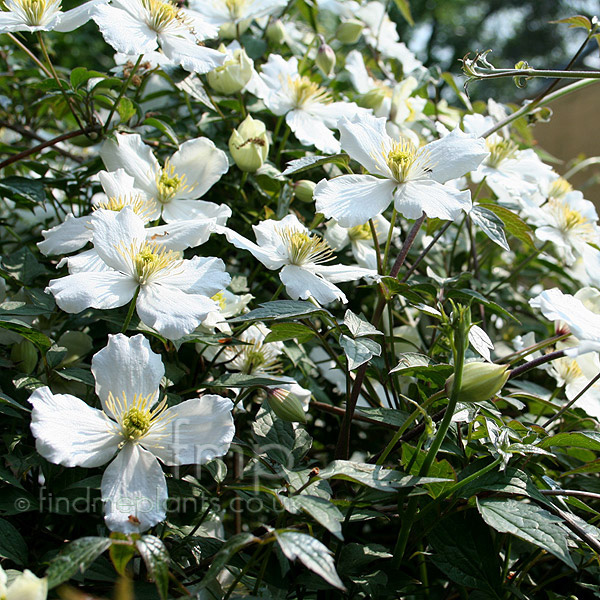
<point>228,305</point>
<point>44,15</point>
<point>289,244</point>
<point>133,423</point>
<point>581,321</point>
<point>412,177</point>
<point>140,26</point>
<point>309,110</point>
<point>76,232</point>
<point>173,188</point>
<point>360,239</point>
<point>25,586</point>
<point>173,294</point>
<point>233,17</point>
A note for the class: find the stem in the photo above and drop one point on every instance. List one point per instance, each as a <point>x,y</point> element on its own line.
<point>518,268</point>
<point>569,404</point>
<point>517,356</point>
<point>388,242</point>
<point>376,244</point>
<point>130,310</point>
<point>122,92</point>
<point>536,362</point>
<point>33,57</point>
<point>423,254</point>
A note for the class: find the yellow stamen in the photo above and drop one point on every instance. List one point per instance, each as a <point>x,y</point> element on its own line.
<point>219,298</point>
<point>360,232</point>
<point>162,13</point>
<point>304,247</point>
<point>150,259</point>
<point>559,188</point>
<point>306,91</point>
<point>236,8</point>
<point>140,206</point>
<point>34,12</point>
<point>170,183</point>
<point>500,151</point>
<point>401,158</point>
<point>569,219</point>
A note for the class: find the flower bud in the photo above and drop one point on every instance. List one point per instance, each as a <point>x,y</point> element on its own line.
<point>349,31</point>
<point>480,381</point>
<point>228,31</point>
<point>233,75</point>
<point>325,59</point>
<point>373,98</point>
<point>285,405</point>
<point>25,356</point>
<point>303,190</point>
<point>27,586</point>
<point>249,144</point>
<point>276,32</point>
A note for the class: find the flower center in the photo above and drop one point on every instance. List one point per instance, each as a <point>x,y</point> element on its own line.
<point>500,151</point>
<point>34,12</point>
<point>305,91</point>
<point>236,8</point>
<point>219,298</point>
<point>304,247</point>
<point>401,158</point>
<point>168,183</point>
<point>161,13</point>
<point>559,188</point>
<point>136,423</point>
<point>569,219</point>
<point>140,206</point>
<point>150,259</point>
<point>567,369</point>
<point>360,232</point>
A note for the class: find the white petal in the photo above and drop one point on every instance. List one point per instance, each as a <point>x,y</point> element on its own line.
<point>436,200</point>
<point>69,432</point>
<point>126,367</point>
<point>365,139</point>
<point>455,155</point>
<point>170,311</point>
<point>200,275</point>
<point>106,289</point>
<point>123,32</point>
<point>74,233</point>
<point>76,17</point>
<point>135,491</point>
<point>10,22</point>
<point>118,183</point>
<point>88,260</point>
<point>191,56</point>
<point>266,255</point>
<point>202,163</point>
<point>353,199</point>
<point>180,209</point>
<point>365,255</point>
<point>302,283</point>
<point>310,130</point>
<point>128,151</point>
<point>194,432</point>
<point>340,273</point>
<point>181,235</point>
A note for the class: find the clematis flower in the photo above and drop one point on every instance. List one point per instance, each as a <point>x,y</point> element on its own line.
<point>233,17</point>
<point>288,245</point>
<point>173,188</point>
<point>135,426</point>
<point>309,109</point>
<point>172,294</point>
<point>412,177</point>
<point>44,15</point>
<point>141,26</point>
<point>582,322</point>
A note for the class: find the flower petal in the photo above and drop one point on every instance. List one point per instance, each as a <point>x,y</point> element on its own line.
<point>191,56</point>
<point>126,367</point>
<point>105,289</point>
<point>74,233</point>
<point>203,275</point>
<point>310,130</point>
<point>134,490</point>
<point>302,283</point>
<point>69,432</point>
<point>340,273</point>
<point>123,31</point>
<point>353,199</point>
<point>76,17</point>
<point>436,200</point>
<point>181,235</point>
<point>266,255</point>
<point>193,432</point>
<point>180,209</point>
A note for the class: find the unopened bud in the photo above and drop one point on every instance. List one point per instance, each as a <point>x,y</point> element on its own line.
<point>373,98</point>
<point>228,31</point>
<point>25,356</point>
<point>249,145</point>
<point>303,190</point>
<point>286,405</point>
<point>233,75</point>
<point>349,31</point>
<point>480,381</point>
<point>276,32</point>
<point>325,58</point>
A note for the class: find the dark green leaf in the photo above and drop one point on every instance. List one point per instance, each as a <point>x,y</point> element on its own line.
<point>12,545</point>
<point>156,557</point>
<point>309,162</point>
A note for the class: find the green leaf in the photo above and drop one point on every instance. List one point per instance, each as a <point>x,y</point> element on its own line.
<point>528,522</point>
<point>513,224</point>
<point>391,416</point>
<point>162,127</point>
<point>404,8</point>
<point>22,188</point>
<point>156,558</point>
<point>76,556</point>
<point>464,551</point>
<point>12,545</point>
<point>576,21</point>
<point>355,557</point>
<point>241,380</point>
<point>280,332</point>
<point>35,337</point>
<point>359,327</point>
<point>321,510</point>
<point>374,476</point>
<point>231,547</point>
<point>409,360</point>
<point>310,162</point>
<point>359,351</point>
<point>491,225</point>
<point>312,554</point>
<point>578,439</point>
<point>122,551</point>
<point>24,266</point>
<point>280,309</point>
<point>77,374</point>
<point>81,75</point>
<point>126,109</point>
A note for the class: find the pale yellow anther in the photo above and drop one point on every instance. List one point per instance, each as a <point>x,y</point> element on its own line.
<point>401,159</point>
<point>162,13</point>
<point>169,183</point>
<point>140,206</point>
<point>568,219</point>
<point>151,260</point>
<point>219,298</point>
<point>34,12</point>
<point>500,151</point>
<point>360,232</point>
<point>236,8</point>
<point>559,188</point>
<point>306,91</point>
<point>304,247</point>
